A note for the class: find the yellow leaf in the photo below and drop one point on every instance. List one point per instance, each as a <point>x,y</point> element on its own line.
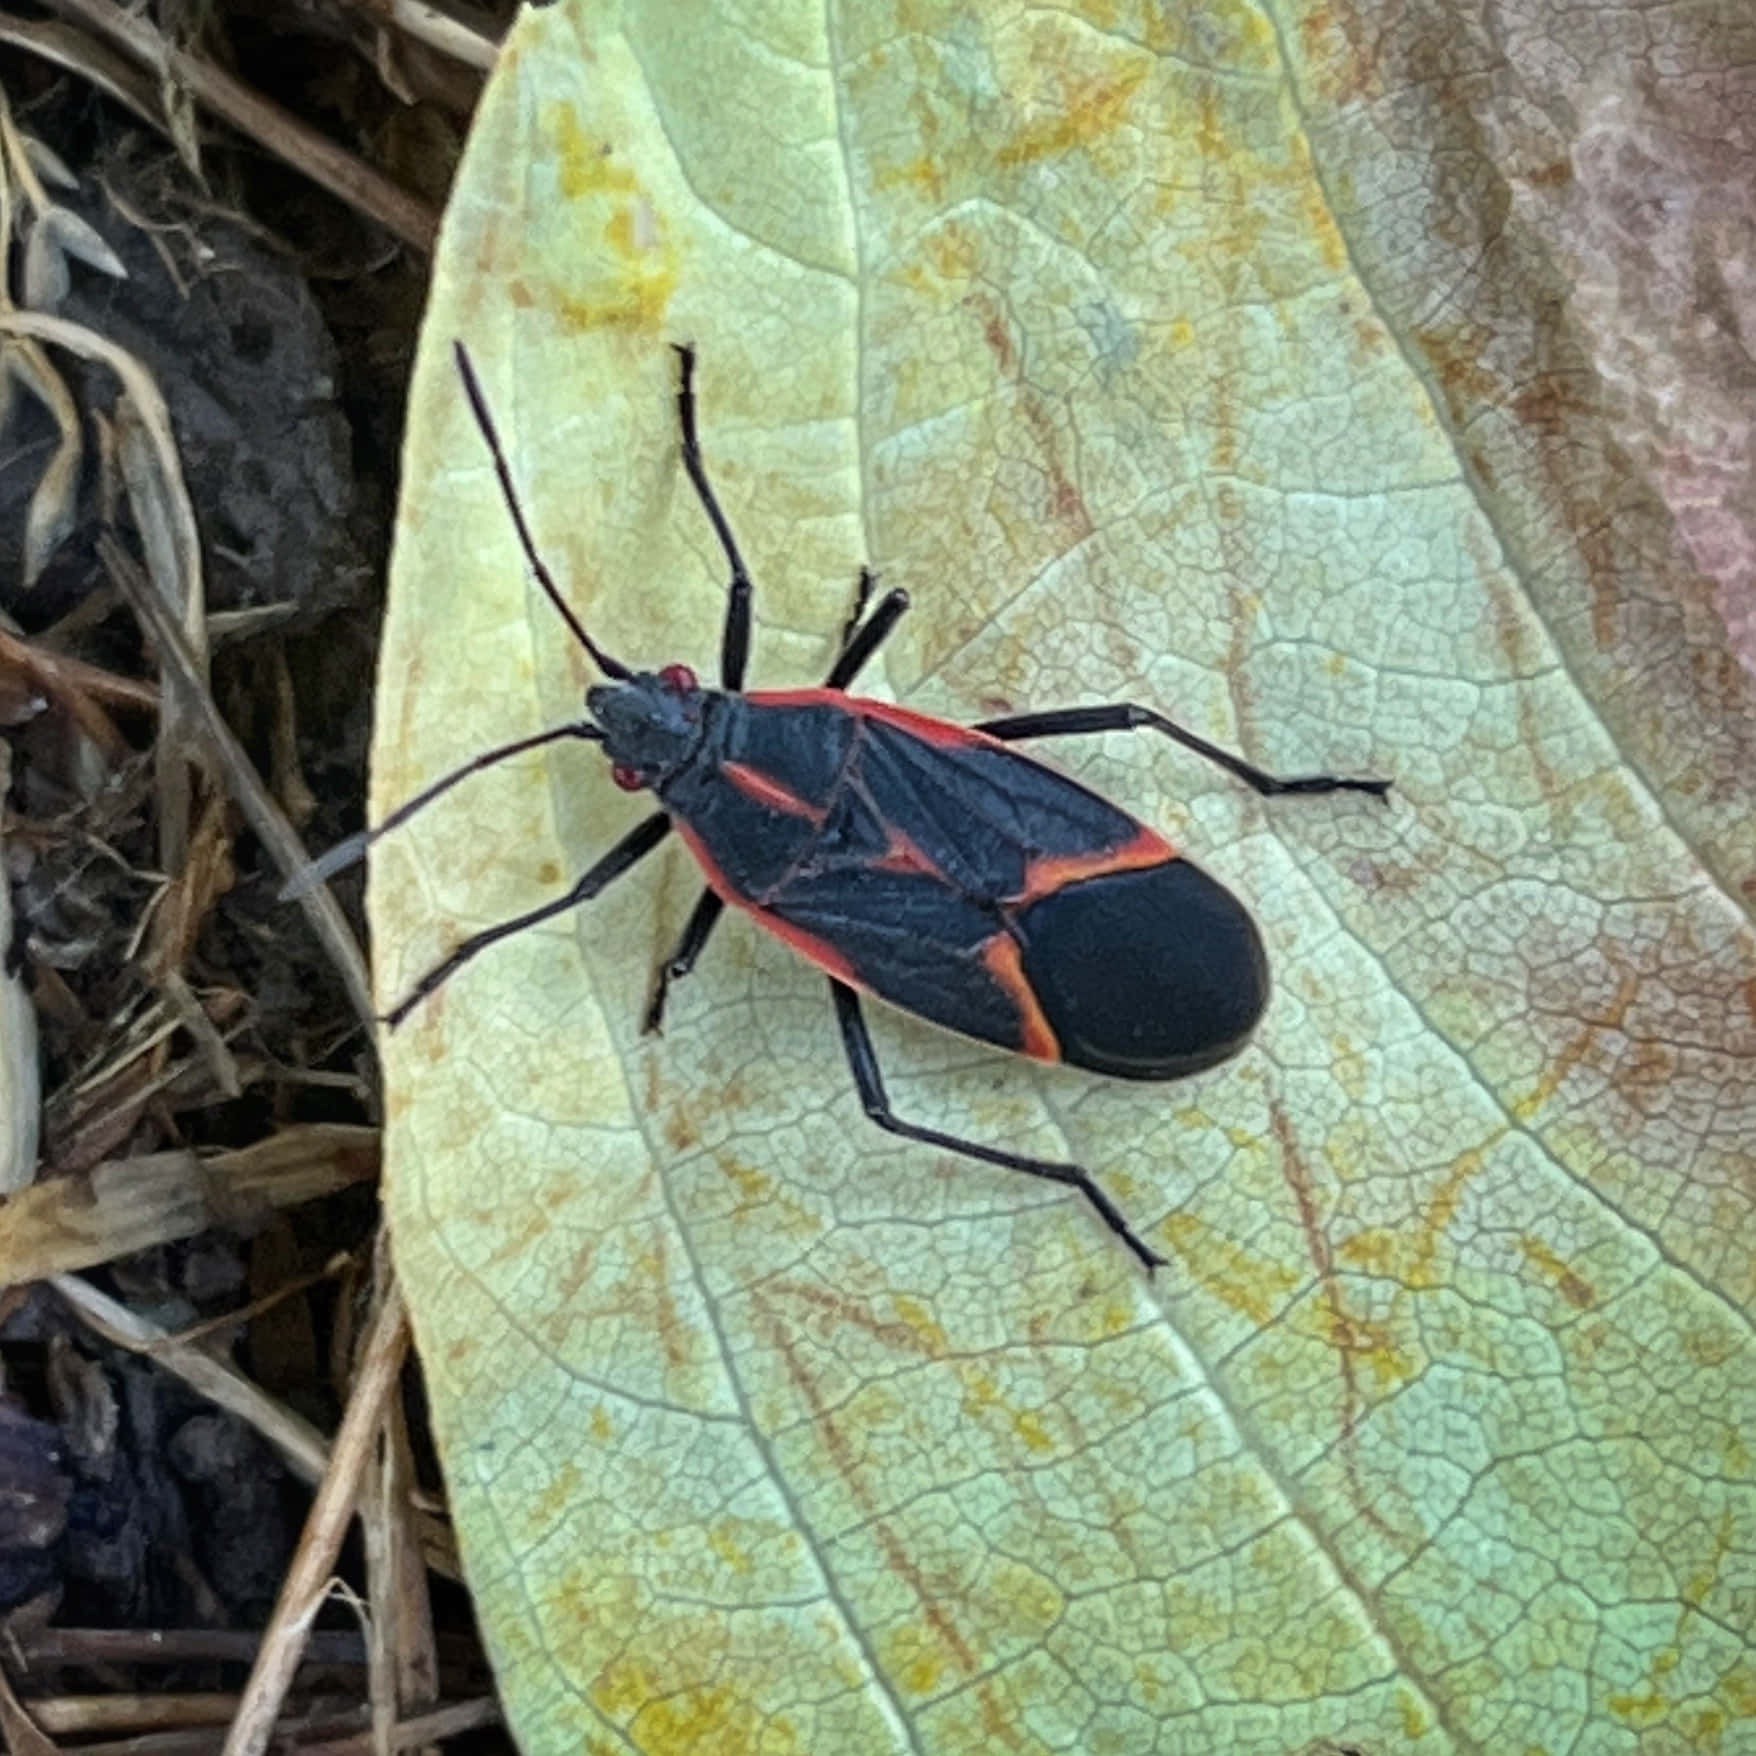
<point>1285,371</point>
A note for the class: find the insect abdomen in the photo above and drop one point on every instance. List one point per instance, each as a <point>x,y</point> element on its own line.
<point>1145,974</point>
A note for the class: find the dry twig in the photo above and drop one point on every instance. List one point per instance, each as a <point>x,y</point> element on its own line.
<point>302,1448</point>
<point>266,123</point>
<point>166,516</point>
<point>403,1676</point>
<point>307,1581</point>
<point>24,1737</point>
<point>128,1204</point>
<point>245,785</point>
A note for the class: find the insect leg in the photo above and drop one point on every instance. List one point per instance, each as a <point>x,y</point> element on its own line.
<point>860,639</point>
<point>634,846</point>
<point>734,646</point>
<point>863,1061</point>
<point>353,849</point>
<point>702,919</point>
<point>1124,716</point>
<point>863,590</point>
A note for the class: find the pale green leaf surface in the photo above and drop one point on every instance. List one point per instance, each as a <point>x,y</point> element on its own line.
<point>1361,392</point>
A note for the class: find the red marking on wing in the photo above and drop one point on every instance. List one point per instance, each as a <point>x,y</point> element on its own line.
<point>765,790</point>
<point>1001,959</point>
<point>814,950</point>
<point>1043,877</point>
<point>945,733</point>
<point>903,856</point>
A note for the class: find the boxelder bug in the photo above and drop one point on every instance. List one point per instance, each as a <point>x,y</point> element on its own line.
<point>925,862</point>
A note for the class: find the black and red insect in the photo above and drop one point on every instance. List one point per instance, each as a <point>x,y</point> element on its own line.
<point>925,862</point>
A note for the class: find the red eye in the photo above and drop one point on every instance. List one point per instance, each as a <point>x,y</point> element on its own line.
<point>680,678</point>
<point>628,779</point>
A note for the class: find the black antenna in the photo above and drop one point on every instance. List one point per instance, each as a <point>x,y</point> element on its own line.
<point>346,852</point>
<point>479,404</point>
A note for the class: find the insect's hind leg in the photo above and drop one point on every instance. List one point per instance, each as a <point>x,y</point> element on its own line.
<point>633,847</point>
<point>1125,716</point>
<point>863,1061</point>
<point>734,645</point>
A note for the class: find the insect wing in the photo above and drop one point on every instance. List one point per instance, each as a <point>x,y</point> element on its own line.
<point>932,835</point>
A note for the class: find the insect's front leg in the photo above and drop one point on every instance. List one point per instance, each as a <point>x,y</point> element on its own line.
<point>734,646</point>
<point>633,847</point>
<point>709,905</point>
<point>863,1060</point>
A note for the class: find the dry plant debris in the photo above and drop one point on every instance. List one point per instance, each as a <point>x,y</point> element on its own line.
<point>198,1329</point>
